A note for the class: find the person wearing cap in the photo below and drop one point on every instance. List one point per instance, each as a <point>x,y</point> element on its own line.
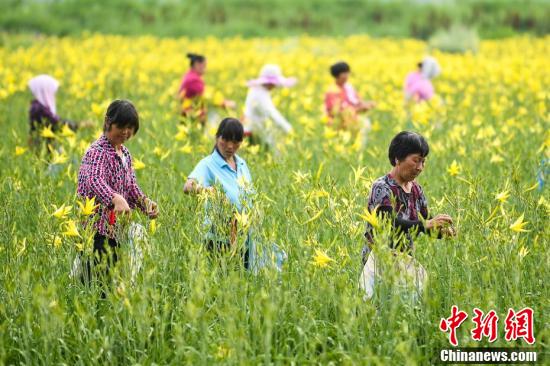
<point>263,122</point>
<point>418,84</point>
<point>42,110</point>
<point>343,105</point>
<point>192,88</point>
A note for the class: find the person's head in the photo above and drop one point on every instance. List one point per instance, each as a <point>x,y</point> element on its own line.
<point>229,137</point>
<point>340,72</point>
<point>197,62</point>
<point>43,88</point>
<point>407,154</point>
<point>429,67</point>
<point>121,121</point>
<point>271,77</point>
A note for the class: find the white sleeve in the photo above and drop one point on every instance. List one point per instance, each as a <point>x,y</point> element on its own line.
<point>276,116</point>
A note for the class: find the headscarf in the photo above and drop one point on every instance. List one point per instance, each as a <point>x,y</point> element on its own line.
<point>44,87</point>
<point>430,68</point>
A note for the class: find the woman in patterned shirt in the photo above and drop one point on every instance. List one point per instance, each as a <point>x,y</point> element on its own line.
<point>398,197</point>
<point>106,173</point>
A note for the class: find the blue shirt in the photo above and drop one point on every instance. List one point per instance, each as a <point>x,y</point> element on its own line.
<point>213,169</point>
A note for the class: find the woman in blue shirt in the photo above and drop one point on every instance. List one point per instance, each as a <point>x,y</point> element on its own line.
<point>225,169</point>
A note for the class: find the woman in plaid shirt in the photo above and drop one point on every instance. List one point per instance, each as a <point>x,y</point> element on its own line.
<point>106,173</point>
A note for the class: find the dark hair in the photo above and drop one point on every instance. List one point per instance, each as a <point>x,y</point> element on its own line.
<point>121,113</point>
<point>339,68</point>
<point>406,143</point>
<point>194,58</point>
<point>230,129</point>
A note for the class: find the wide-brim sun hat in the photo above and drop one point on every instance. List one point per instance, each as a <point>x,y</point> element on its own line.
<point>271,74</point>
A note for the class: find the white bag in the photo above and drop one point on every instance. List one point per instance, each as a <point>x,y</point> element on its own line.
<point>136,238</point>
<point>406,267</point>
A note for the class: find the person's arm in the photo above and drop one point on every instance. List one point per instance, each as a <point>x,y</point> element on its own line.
<point>418,226</point>
<point>199,179</point>
<point>276,116</point>
<point>192,187</point>
<point>399,223</point>
<point>97,182</point>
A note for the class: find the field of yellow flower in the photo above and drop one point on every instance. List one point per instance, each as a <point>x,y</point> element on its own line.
<point>488,134</point>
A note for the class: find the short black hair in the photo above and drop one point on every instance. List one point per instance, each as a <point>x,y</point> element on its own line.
<point>230,129</point>
<point>194,58</point>
<point>121,113</point>
<point>339,68</point>
<point>406,143</point>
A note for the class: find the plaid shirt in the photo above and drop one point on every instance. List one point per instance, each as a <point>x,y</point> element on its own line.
<point>102,174</point>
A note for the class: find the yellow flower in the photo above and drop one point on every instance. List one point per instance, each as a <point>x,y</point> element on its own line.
<point>186,149</point>
<point>523,252</point>
<point>58,157</point>
<point>88,207</point>
<point>357,173</point>
<point>319,193</point>
<point>329,133</point>
<point>253,150</point>
<point>138,164</point>
<point>518,225</point>
<point>47,133</point>
<point>66,131</point>
<point>496,158</point>
<point>503,196</point>
<point>20,150</point>
<point>371,217</point>
<point>153,226</point>
<point>243,218</point>
<point>62,211</point>
<point>223,352</point>
<point>71,229</point>
<point>182,133</point>
<point>217,98</point>
<point>321,259</point>
<point>55,241</point>
<point>300,177</point>
<point>161,153</point>
<point>454,169</point>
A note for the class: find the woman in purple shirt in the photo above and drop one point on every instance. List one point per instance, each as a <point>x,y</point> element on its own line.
<point>107,174</point>
<point>43,110</point>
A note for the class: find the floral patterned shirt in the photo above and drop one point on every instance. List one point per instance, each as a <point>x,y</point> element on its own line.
<point>102,174</point>
<point>387,195</point>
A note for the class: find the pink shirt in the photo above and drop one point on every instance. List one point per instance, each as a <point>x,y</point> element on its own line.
<point>192,85</point>
<point>102,174</point>
<point>340,98</point>
<point>418,87</point>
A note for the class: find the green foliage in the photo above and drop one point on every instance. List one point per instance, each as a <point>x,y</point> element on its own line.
<point>456,39</point>
<point>250,18</point>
